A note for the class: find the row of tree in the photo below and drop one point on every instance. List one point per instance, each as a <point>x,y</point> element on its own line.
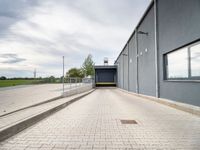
<point>3,78</point>
<point>86,70</point>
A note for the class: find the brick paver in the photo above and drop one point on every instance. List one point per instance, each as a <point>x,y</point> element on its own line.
<point>94,123</point>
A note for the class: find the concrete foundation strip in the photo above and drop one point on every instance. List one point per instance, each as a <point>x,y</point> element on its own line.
<point>19,126</point>
<point>195,110</point>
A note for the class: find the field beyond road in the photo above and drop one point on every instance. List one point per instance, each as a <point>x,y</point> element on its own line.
<point>6,83</point>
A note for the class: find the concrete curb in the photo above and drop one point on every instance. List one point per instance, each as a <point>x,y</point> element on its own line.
<point>16,128</point>
<point>195,110</point>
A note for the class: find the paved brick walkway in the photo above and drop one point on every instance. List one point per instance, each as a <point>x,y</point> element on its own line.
<point>94,123</point>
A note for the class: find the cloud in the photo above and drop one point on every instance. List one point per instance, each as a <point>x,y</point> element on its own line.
<point>41,32</point>
<point>13,11</point>
<point>10,58</point>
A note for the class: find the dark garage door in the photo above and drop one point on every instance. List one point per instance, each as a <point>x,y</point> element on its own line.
<point>105,77</point>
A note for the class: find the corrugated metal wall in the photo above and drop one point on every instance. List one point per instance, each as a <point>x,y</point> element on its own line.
<point>121,73</point>
<point>146,58</point>
<point>178,23</point>
<point>125,59</point>
<point>178,26</point>
<point>132,64</point>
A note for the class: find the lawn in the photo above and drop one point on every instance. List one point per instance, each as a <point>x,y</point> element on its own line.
<point>6,83</point>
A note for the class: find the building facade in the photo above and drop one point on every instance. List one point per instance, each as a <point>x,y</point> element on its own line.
<point>162,56</point>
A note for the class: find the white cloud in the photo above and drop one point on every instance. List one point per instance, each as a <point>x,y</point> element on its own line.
<point>52,29</point>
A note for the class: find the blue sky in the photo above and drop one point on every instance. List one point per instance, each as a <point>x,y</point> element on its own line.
<point>37,33</point>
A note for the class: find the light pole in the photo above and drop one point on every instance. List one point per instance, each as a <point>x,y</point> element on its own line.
<point>63,80</point>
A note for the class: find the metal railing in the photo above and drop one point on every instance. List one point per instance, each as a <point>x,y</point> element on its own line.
<point>76,85</point>
<point>75,82</point>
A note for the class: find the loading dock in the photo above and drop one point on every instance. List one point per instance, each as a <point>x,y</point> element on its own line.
<point>105,75</point>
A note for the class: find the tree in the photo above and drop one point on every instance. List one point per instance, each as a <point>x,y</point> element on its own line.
<point>75,72</point>
<point>2,78</point>
<point>52,79</point>
<point>88,66</point>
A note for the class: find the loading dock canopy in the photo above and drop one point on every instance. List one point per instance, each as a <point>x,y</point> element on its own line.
<point>105,75</point>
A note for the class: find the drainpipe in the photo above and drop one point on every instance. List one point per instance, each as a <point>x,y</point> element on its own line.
<point>156,49</point>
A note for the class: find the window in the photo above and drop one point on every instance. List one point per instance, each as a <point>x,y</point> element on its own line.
<point>183,63</point>
<point>178,64</point>
<point>195,60</point>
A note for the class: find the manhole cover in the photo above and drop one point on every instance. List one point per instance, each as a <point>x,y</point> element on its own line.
<point>128,122</point>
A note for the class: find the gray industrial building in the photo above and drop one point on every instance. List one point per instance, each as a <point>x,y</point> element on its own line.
<point>162,56</point>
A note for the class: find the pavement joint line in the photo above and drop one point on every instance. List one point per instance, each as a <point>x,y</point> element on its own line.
<point>9,131</point>
<point>195,110</point>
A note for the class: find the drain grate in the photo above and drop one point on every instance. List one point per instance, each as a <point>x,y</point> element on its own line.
<point>128,122</point>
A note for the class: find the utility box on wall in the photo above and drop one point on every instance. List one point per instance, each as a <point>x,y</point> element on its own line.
<point>105,75</point>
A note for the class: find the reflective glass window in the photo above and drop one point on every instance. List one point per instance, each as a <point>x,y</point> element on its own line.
<point>177,64</point>
<point>195,60</point>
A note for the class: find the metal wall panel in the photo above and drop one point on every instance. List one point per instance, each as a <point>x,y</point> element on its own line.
<point>125,71</point>
<point>132,64</point>
<point>178,24</point>
<point>121,73</point>
<point>146,59</point>
<point>118,73</point>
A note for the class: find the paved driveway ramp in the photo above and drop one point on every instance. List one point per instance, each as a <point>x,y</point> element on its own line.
<point>111,119</point>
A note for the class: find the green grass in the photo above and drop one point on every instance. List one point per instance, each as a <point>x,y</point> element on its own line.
<point>6,83</point>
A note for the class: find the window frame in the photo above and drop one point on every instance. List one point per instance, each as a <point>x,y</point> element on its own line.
<point>165,64</point>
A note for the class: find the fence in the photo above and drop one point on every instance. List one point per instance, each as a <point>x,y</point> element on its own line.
<point>74,86</point>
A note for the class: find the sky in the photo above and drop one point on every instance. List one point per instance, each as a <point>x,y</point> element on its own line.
<point>35,34</point>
